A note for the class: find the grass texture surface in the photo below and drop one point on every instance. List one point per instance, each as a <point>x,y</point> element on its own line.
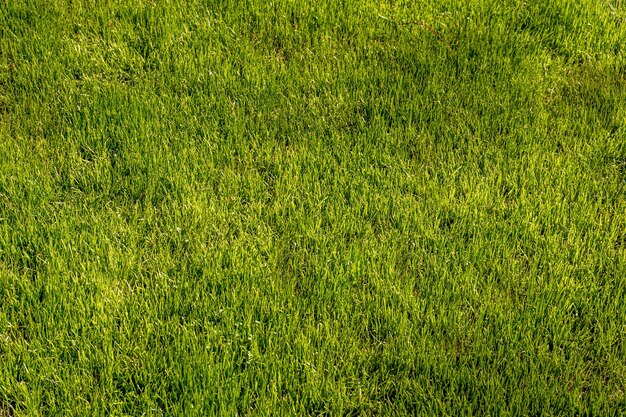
<point>342,208</point>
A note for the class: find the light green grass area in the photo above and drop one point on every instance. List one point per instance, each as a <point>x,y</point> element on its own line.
<point>342,208</point>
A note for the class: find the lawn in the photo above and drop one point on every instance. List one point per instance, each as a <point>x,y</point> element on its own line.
<point>333,207</point>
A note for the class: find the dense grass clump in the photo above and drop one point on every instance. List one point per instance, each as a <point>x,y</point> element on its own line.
<point>312,208</point>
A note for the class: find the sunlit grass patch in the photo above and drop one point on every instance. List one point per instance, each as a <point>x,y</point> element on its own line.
<point>287,208</point>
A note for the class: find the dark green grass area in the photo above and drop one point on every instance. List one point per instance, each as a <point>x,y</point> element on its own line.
<point>312,208</point>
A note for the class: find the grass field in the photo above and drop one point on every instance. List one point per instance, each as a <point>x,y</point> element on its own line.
<point>335,208</point>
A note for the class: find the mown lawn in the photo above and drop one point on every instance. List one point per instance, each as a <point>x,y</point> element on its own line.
<point>288,207</point>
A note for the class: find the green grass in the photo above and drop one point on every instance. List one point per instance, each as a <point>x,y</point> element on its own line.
<point>312,208</point>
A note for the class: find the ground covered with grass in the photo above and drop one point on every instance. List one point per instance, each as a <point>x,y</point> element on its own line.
<point>312,208</point>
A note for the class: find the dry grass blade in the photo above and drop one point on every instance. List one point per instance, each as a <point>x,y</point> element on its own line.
<point>431,30</point>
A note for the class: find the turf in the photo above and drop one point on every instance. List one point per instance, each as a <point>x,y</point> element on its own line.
<point>312,208</point>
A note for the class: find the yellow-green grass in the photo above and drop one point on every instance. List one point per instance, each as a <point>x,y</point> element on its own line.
<point>312,207</point>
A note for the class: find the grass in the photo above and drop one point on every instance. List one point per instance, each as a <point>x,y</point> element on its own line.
<point>312,208</point>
